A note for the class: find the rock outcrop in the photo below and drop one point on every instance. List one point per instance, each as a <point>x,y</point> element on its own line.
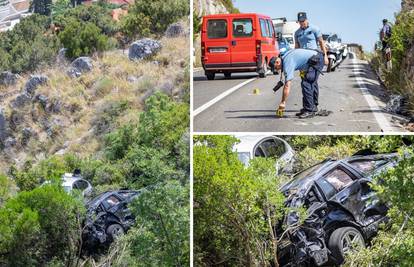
<point>143,49</point>
<point>8,78</point>
<point>34,82</point>
<point>175,30</point>
<point>80,66</point>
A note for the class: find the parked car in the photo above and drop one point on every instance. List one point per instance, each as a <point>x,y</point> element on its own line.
<point>343,212</point>
<point>74,181</point>
<point>267,146</point>
<point>237,43</point>
<point>108,217</point>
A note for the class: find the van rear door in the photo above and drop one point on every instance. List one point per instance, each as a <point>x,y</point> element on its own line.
<point>243,44</point>
<point>217,43</point>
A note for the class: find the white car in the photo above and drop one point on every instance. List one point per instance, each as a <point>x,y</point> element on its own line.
<point>266,146</point>
<point>72,182</point>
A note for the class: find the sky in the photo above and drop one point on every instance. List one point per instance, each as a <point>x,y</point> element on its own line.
<point>355,21</point>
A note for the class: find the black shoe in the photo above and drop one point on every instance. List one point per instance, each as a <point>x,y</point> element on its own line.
<point>300,112</point>
<point>307,115</point>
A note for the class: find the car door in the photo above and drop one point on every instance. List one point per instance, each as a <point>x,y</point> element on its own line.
<point>349,191</point>
<point>243,42</point>
<point>217,42</point>
<point>269,44</point>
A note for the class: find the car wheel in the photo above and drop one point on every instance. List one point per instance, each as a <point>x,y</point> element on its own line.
<point>227,75</point>
<point>263,71</point>
<point>210,75</point>
<point>114,231</point>
<point>343,241</point>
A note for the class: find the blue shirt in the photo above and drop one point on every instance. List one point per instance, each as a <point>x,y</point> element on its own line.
<point>296,59</point>
<point>308,38</point>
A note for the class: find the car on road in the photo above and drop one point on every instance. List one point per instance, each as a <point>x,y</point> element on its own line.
<point>108,217</point>
<point>237,43</point>
<point>343,211</point>
<point>266,146</point>
<point>74,181</point>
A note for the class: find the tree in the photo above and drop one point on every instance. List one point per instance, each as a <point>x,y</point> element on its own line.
<point>42,7</point>
<point>82,39</point>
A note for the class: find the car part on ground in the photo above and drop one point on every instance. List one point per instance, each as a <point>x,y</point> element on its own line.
<point>266,146</point>
<point>108,217</point>
<point>343,212</point>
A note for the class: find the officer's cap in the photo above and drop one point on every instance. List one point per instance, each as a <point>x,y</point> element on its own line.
<point>302,16</point>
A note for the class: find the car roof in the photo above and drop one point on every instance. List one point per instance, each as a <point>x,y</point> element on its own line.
<point>248,142</point>
<point>236,15</point>
<point>68,180</point>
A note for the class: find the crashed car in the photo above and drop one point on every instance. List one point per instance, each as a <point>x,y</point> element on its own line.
<point>343,212</point>
<point>108,217</point>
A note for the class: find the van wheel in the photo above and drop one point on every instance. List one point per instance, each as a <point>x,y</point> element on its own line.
<point>210,75</point>
<point>227,75</point>
<point>263,71</point>
<point>343,241</point>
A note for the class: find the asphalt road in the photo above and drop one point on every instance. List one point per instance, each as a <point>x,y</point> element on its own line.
<point>352,93</point>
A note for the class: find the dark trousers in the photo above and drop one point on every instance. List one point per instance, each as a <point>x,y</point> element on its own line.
<point>310,87</point>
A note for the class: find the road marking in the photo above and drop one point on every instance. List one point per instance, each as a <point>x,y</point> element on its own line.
<point>382,121</point>
<point>221,96</point>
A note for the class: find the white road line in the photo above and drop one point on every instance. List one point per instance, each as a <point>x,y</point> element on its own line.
<point>382,121</point>
<point>221,96</point>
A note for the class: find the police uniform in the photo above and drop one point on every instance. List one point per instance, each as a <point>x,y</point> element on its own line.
<point>299,60</point>
<point>308,39</point>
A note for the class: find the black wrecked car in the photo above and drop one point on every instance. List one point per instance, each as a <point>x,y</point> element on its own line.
<point>343,211</point>
<point>108,217</point>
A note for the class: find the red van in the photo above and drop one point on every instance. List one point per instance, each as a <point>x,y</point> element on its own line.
<point>237,43</point>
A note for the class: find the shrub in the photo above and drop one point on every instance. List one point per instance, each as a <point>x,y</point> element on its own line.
<point>40,226</point>
<point>146,17</point>
<point>83,39</point>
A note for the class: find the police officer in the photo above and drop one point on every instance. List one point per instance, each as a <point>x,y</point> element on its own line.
<point>310,37</point>
<point>385,34</point>
<point>310,63</point>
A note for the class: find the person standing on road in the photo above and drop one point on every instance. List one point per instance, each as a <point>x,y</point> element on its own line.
<point>385,34</point>
<point>310,63</point>
<point>310,37</point>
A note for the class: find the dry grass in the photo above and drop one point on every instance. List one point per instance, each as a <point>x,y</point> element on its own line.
<point>82,98</point>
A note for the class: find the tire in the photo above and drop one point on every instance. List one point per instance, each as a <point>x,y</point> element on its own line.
<point>330,65</point>
<point>263,71</point>
<point>114,231</point>
<point>210,75</point>
<point>227,75</point>
<point>344,240</point>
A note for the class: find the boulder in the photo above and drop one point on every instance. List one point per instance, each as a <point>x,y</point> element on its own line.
<point>42,99</point>
<point>144,48</point>
<point>9,142</point>
<point>175,30</point>
<point>80,66</point>
<point>21,100</point>
<point>61,57</point>
<point>3,126</point>
<point>8,78</point>
<point>34,82</point>
<point>27,133</point>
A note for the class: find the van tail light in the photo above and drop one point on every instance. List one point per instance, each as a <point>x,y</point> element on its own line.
<point>258,47</point>
<point>203,49</point>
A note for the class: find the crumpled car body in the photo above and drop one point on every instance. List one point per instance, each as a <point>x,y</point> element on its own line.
<point>339,201</point>
<point>108,216</point>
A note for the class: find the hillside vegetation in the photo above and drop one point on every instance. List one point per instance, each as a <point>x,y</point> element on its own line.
<point>123,122</point>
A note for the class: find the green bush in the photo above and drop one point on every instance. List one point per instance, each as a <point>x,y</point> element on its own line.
<point>40,226</point>
<point>83,39</point>
<point>28,46</point>
<point>146,17</point>
<point>235,208</point>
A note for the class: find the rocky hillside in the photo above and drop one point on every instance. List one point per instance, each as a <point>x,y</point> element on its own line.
<point>408,62</point>
<point>71,106</point>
